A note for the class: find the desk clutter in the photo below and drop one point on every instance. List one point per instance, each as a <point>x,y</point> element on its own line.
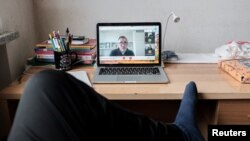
<point>83,48</point>
<point>234,59</point>
<point>237,68</point>
<point>234,50</point>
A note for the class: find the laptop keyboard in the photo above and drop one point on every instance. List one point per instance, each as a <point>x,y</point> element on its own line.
<point>129,71</point>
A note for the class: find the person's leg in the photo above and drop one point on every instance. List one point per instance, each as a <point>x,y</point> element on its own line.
<point>186,116</point>
<point>56,106</point>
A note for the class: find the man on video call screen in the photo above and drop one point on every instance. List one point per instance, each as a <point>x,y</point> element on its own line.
<point>128,44</point>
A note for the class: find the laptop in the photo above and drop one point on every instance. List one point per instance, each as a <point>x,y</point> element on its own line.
<point>129,53</point>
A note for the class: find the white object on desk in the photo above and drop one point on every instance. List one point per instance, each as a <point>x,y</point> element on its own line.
<point>81,75</point>
<point>233,50</point>
<point>195,58</point>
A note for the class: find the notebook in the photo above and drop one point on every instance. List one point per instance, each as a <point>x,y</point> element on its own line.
<point>81,75</point>
<point>129,53</point>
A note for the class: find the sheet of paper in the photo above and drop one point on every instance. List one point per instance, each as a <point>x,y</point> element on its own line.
<point>81,75</point>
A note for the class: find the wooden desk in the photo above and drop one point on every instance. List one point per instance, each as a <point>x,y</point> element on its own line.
<point>223,99</point>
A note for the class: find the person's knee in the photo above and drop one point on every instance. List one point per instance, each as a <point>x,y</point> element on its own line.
<point>42,84</point>
<point>49,75</point>
<point>46,78</point>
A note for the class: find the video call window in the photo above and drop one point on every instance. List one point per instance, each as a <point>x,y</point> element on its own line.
<point>138,43</point>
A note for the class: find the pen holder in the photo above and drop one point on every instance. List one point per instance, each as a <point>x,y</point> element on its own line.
<point>64,60</point>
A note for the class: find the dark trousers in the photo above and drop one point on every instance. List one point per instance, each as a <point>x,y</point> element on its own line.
<point>57,107</point>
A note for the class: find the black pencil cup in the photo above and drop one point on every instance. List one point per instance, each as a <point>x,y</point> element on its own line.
<point>64,60</point>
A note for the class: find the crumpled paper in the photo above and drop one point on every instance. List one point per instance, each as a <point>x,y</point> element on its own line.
<point>234,50</point>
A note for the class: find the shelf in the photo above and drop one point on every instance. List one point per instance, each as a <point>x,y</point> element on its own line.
<point>8,36</point>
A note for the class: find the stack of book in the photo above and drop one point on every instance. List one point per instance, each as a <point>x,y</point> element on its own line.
<point>85,49</point>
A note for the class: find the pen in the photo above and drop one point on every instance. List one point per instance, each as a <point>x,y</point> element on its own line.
<point>56,44</point>
<point>52,42</point>
<point>61,41</point>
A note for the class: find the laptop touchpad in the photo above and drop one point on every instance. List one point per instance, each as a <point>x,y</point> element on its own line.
<point>128,78</point>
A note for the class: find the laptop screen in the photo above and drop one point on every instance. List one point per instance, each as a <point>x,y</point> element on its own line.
<point>129,43</point>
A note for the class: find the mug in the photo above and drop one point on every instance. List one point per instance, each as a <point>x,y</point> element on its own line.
<point>64,60</point>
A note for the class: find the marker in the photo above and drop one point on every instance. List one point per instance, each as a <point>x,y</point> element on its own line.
<point>52,42</point>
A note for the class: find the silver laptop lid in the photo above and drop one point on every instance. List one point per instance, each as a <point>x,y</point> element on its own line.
<point>129,44</point>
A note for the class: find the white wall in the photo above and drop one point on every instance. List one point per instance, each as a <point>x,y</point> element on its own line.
<point>204,25</point>
<point>17,15</point>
